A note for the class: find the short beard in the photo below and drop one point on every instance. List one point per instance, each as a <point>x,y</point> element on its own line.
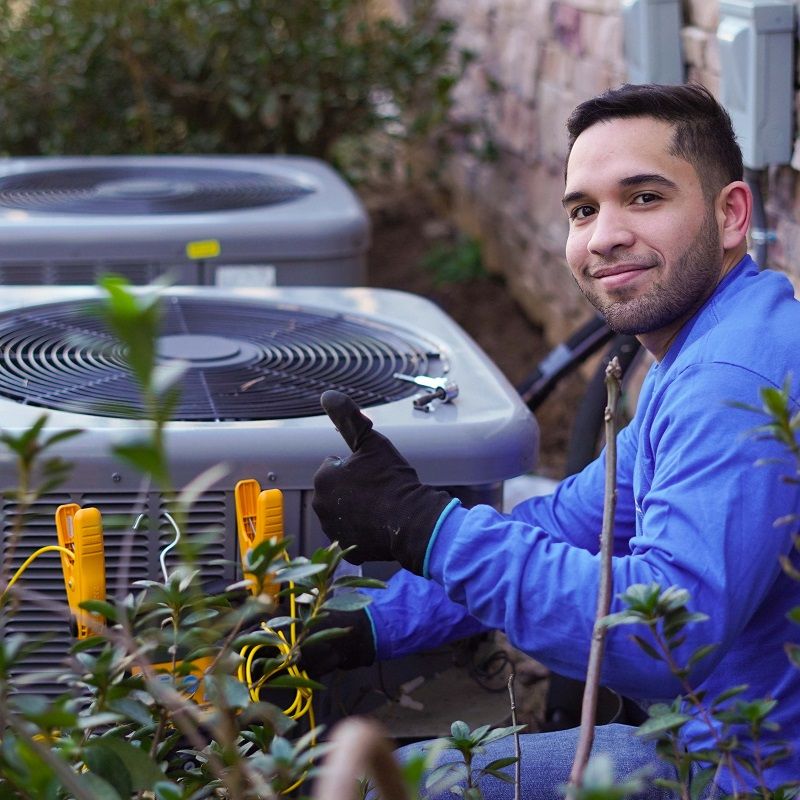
<point>692,280</point>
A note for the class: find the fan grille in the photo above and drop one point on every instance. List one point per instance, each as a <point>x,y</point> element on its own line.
<point>141,189</point>
<point>247,360</point>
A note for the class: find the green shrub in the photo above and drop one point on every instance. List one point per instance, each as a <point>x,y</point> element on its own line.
<point>197,76</point>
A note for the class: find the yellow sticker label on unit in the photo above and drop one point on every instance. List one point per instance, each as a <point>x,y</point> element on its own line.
<point>207,248</point>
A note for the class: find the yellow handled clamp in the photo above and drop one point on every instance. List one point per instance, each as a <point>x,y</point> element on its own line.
<point>259,517</point>
<point>80,530</point>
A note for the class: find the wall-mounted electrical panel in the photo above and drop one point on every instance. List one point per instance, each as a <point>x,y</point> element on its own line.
<point>756,47</point>
<point>653,41</point>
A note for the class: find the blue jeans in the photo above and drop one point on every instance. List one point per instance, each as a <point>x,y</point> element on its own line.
<point>547,761</point>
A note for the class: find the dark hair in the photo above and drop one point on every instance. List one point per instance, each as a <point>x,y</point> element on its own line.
<point>703,131</point>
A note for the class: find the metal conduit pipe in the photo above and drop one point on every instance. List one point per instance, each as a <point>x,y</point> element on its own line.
<point>760,235</point>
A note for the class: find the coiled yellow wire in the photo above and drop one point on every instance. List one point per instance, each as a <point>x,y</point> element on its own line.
<point>302,704</point>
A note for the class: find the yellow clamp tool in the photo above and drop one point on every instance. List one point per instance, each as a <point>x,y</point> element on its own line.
<point>259,517</point>
<point>80,530</point>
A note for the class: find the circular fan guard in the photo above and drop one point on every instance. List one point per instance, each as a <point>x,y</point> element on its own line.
<point>247,361</point>
<point>140,189</point>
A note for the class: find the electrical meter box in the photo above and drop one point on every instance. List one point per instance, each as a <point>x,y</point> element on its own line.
<point>653,41</point>
<point>756,39</point>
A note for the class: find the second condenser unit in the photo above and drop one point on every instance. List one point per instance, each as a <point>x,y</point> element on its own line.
<point>198,220</point>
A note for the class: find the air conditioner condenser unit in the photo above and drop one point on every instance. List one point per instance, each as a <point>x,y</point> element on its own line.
<point>200,220</point>
<point>258,361</point>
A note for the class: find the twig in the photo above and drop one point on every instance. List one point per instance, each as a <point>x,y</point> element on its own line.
<point>589,707</point>
<point>517,745</point>
<point>359,747</point>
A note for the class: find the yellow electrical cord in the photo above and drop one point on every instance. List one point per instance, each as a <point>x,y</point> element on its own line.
<point>304,696</point>
<point>32,557</point>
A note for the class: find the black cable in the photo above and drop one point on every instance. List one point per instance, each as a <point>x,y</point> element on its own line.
<point>589,423</point>
<point>563,358</point>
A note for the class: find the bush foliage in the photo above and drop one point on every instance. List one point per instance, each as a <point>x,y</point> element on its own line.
<point>201,76</point>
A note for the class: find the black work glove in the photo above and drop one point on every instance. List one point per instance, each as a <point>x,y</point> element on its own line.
<point>373,499</point>
<point>356,648</point>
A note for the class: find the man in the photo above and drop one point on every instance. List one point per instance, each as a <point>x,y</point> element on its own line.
<point>658,216</point>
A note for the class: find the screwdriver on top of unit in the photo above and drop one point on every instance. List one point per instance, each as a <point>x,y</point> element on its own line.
<point>442,389</point>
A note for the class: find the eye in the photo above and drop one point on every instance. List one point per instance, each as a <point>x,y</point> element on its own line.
<point>645,198</point>
<point>581,212</point>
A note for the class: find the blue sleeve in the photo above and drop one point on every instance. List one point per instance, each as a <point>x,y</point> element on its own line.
<point>573,513</point>
<point>705,523</point>
<point>414,614</point>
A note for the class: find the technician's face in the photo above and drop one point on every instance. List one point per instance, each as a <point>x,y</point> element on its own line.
<point>644,244</point>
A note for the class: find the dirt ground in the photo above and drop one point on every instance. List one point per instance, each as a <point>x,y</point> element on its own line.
<point>404,230</point>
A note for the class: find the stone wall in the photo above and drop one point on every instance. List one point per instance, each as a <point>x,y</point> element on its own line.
<point>502,183</point>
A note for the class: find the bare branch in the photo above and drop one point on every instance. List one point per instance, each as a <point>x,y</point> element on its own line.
<point>590,693</point>
<point>517,746</point>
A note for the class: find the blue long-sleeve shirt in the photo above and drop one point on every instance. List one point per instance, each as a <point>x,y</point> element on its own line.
<point>694,509</point>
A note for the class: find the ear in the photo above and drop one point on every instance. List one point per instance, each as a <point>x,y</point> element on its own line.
<point>734,208</point>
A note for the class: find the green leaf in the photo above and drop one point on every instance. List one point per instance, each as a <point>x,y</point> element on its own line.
<point>506,777</point>
<point>226,691</point>
<point>109,766</point>
<point>346,601</point>
<point>131,709</point>
<point>647,647</point>
<point>793,651</point>
<point>775,402</point>
<point>328,633</point>
<point>295,682</point>
<point>97,787</point>
<point>700,654</point>
<point>101,607</point>
<point>296,573</point>
<point>733,691</point>
<point>143,456</point>
<point>282,622</point>
<point>144,772</point>
<point>258,638</point>
<point>356,582</point>
<point>459,730</point>
<point>500,763</point>
<point>665,723</point>
<point>90,643</point>
<point>501,733</point>
<point>60,436</point>
<point>621,618</point>
<point>166,790</point>
<point>99,720</point>
<point>197,617</point>
<point>445,775</point>
<point>794,615</point>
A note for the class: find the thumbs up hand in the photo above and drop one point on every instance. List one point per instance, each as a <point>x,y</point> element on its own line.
<point>373,499</point>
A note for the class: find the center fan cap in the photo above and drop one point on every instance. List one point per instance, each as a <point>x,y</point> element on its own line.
<point>203,350</point>
<point>143,187</point>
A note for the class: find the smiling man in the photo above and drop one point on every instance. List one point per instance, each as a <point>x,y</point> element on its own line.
<point>658,217</point>
<point>647,242</point>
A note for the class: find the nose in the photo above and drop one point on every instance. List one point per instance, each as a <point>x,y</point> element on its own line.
<point>610,230</point>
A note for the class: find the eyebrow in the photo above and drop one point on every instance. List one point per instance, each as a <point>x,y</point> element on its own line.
<point>625,183</point>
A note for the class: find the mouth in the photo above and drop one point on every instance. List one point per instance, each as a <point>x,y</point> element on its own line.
<point>622,276</point>
<point>618,269</point>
